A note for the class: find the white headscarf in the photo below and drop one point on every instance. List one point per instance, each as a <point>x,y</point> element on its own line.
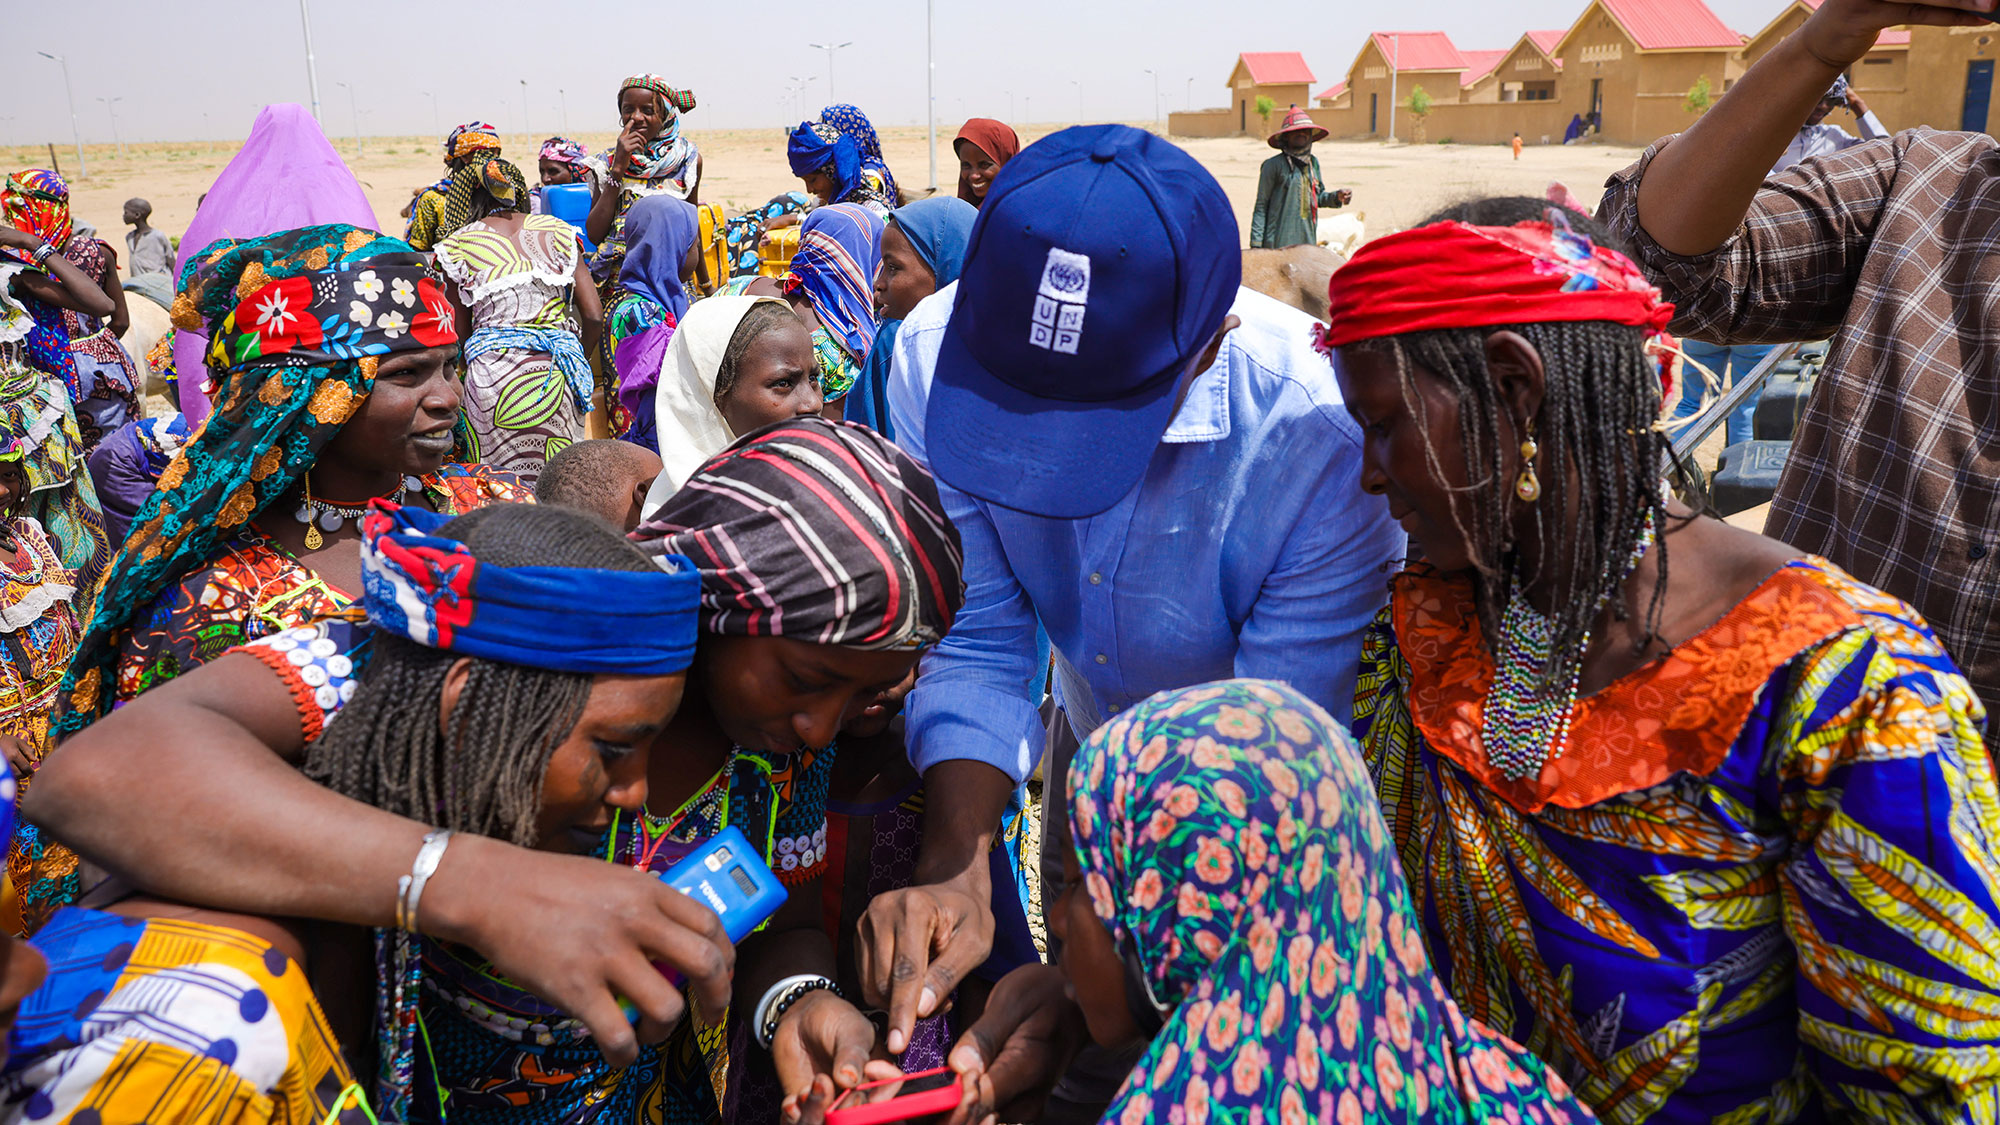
<point>690,426</point>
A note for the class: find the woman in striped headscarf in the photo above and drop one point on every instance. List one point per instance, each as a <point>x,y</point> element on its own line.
<point>651,156</point>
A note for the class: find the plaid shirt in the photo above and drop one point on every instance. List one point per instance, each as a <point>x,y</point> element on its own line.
<point>1892,248</point>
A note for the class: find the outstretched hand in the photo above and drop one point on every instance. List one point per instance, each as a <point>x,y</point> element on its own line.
<point>915,945</point>
<point>582,934</point>
<point>822,1046</point>
<point>1010,1059</point>
<point>1842,31</point>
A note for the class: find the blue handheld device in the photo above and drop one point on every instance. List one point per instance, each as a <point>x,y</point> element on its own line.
<point>727,875</point>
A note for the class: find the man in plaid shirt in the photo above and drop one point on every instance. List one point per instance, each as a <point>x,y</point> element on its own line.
<point>1892,247</point>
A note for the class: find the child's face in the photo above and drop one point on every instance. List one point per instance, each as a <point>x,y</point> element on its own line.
<point>642,110</point>
<point>134,214</point>
<point>556,172</point>
<point>776,694</point>
<point>13,486</point>
<point>601,767</point>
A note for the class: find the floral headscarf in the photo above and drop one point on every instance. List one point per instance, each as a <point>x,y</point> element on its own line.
<point>469,138</point>
<point>297,322</point>
<point>1231,842</point>
<point>562,150</point>
<point>851,121</point>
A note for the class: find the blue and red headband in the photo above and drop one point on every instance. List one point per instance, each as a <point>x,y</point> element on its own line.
<point>431,589</point>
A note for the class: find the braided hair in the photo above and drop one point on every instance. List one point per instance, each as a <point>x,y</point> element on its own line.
<point>1598,437</point>
<point>762,317</point>
<point>481,768</point>
<point>481,185</point>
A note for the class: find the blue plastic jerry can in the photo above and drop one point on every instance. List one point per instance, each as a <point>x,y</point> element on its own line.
<point>571,204</point>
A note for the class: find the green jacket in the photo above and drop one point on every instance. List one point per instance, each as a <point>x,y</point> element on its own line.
<point>1288,203</point>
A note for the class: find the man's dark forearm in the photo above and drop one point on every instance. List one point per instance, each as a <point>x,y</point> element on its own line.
<point>963,801</point>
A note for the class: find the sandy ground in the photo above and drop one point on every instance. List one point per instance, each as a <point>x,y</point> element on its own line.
<point>1394,185</point>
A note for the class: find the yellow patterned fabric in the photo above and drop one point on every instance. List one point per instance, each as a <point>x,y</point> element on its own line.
<point>1808,930</point>
<point>167,1020</point>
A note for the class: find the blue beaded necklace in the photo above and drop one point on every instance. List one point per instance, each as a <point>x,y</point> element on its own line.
<point>1524,729</point>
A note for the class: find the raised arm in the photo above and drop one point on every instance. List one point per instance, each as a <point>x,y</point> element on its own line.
<point>1698,189</point>
<point>64,286</point>
<point>190,793</point>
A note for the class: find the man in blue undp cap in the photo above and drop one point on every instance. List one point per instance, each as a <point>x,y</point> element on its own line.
<point>1146,458</point>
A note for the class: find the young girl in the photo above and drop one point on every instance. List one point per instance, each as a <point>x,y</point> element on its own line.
<point>735,366</point>
<point>650,157</point>
<point>831,287</point>
<point>523,297</point>
<point>923,245</point>
<point>537,734</point>
<point>1711,837</point>
<point>1230,902</point>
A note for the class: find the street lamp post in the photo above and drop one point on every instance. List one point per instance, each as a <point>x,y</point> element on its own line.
<point>207,132</point>
<point>565,109</point>
<point>437,126</point>
<point>830,48</point>
<point>76,134</point>
<point>356,108</point>
<point>1079,99</point>
<point>527,122</point>
<point>1190,95</point>
<point>1027,109</point>
<point>111,105</point>
<point>930,89</point>
<point>799,93</point>
<point>312,68</point>
<point>1156,96</point>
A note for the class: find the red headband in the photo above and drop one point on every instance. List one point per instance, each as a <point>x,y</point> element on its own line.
<point>1451,275</point>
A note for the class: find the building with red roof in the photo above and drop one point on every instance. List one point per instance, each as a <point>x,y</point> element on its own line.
<point>1525,72</point>
<point>1629,66</point>
<point>1281,76</point>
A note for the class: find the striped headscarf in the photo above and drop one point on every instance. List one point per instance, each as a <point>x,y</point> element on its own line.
<point>840,248</point>
<point>819,531</point>
<point>666,155</point>
<point>293,363</point>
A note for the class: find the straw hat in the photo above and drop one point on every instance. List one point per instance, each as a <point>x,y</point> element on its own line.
<point>1295,121</point>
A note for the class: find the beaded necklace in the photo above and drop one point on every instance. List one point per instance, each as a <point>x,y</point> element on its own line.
<point>1525,729</point>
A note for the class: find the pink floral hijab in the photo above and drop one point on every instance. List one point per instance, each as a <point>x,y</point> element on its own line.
<point>1231,842</point>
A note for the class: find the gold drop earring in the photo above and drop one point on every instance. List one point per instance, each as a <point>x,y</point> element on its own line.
<point>1527,486</point>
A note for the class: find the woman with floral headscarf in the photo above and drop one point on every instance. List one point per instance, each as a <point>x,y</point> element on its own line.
<point>1231,903</point>
<point>524,297</point>
<point>830,163</point>
<point>474,141</point>
<point>105,378</point>
<point>335,350</point>
<point>855,125</point>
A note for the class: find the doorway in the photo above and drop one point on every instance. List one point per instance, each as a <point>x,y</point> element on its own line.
<point>1372,99</point>
<point>1978,93</point>
<point>1596,117</point>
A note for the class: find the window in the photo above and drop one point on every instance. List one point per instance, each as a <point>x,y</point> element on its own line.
<point>1877,60</point>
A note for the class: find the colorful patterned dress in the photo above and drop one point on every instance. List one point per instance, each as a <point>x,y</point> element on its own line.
<point>1230,843</point>
<point>104,368</point>
<point>160,1019</point>
<point>518,400</point>
<point>502,1055</point>
<point>36,408</point>
<point>38,632</point>
<point>1761,885</point>
<point>251,588</point>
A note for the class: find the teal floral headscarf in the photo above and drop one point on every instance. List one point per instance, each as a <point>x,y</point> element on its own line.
<point>1231,842</point>
<point>297,322</point>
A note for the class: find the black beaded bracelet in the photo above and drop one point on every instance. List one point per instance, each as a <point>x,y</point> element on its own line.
<point>786,1000</point>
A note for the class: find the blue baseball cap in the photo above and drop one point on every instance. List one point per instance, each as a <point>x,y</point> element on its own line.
<point>1102,263</point>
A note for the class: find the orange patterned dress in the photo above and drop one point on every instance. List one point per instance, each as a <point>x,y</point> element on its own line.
<point>1761,883</point>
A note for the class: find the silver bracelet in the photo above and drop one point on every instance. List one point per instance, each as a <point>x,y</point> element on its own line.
<point>781,997</point>
<point>410,888</point>
<point>44,252</point>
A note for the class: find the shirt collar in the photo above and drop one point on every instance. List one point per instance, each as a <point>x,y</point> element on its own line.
<point>1204,414</point>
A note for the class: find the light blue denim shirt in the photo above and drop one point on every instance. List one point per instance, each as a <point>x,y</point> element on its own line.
<point>1247,549</point>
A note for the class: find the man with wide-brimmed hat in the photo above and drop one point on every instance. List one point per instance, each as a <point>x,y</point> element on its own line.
<point>1290,189</point>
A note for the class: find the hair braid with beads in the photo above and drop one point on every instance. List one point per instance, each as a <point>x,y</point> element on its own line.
<point>479,769</point>
<point>1597,432</point>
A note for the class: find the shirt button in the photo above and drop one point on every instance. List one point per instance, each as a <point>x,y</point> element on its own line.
<point>1103,659</point>
<point>1096,578</point>
<point>1976,551</point>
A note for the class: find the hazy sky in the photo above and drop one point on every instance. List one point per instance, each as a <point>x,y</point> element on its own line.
<point>200,68</point>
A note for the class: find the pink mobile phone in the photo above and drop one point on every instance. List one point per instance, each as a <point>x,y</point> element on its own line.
<point>923,1094</point>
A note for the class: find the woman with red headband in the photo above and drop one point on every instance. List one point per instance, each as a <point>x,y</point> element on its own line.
<point>1716,838</point>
